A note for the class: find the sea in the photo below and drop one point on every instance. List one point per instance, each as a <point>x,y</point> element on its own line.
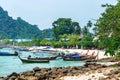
<point>9,64</point>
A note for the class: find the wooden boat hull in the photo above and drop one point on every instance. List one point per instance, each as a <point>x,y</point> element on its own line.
<point>78,59</point>
<point>33,61</point>
<point>45,58</point>
<point>72,59</point>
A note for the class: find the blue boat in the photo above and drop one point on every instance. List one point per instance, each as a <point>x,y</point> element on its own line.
<point>8,53</point>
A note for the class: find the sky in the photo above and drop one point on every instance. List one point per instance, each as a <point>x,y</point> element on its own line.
<point>44,12</point>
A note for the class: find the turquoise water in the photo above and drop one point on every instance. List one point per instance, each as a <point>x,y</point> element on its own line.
<point>9,64</point>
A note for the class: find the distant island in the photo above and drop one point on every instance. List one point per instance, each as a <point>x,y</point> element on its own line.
<point>19,28</point>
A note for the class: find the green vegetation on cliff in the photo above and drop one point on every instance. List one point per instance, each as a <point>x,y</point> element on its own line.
<point>11,28</point>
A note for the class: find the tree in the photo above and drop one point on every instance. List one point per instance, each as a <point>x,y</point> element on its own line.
<point>35,41</point>
<point>65,26</point>
<point>61,26</point>
<point>86,29</point>
<point>108,29</point>
<point>44,42</point>
<point>47,33</point>
<point>76,28</point>
<point>89,24</point>
<point>6,41</point>
<point>87,41</point>
<point>69,40</point>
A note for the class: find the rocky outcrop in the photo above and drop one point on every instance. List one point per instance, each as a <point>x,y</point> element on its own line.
<point>54,73</point>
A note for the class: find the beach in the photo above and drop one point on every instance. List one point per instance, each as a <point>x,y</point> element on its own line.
<point>90,70</point>
<point>92,75</point>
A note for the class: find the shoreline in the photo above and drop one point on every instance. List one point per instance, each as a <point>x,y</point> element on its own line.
<point>90,71</point>
<point>66,73</point>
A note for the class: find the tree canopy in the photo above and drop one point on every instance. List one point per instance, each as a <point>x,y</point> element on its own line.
<point>86,29</point>
<point>108,29</point>
<point>65,26</point>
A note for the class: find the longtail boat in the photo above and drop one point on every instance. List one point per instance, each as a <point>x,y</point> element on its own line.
<point>77,59</point>
<point>33,60</point>
<point>80,58</point>
<point>43,58</point>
